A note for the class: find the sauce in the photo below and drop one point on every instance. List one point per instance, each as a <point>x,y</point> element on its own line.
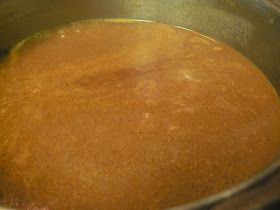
<point>130,115</point>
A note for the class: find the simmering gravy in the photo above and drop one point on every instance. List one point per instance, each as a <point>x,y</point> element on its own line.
<point>130,115</point>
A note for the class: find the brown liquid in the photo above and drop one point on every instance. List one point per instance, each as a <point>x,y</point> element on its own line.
<point>107,115</point>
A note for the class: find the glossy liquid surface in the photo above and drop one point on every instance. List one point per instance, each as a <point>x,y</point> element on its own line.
<point>130,115</point>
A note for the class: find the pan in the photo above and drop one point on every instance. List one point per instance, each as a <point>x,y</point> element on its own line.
<point>250,26</point>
